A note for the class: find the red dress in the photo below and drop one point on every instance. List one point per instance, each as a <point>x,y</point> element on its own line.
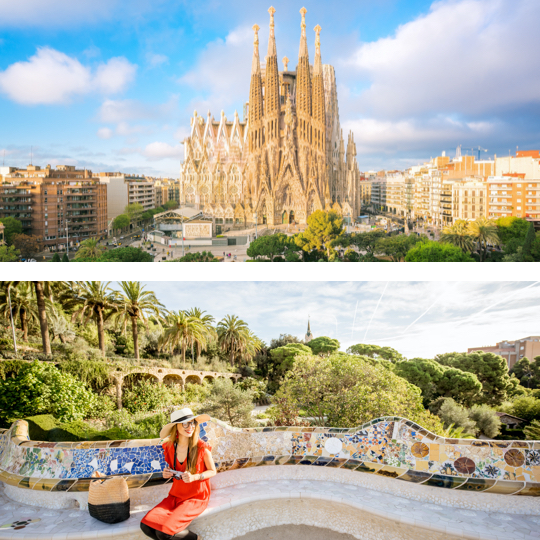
<point>185,501</point>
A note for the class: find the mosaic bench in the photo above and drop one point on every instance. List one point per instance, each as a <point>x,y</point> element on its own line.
<point>347,475</point>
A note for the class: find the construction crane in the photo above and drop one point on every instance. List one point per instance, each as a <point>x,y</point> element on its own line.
<point>477,149</point>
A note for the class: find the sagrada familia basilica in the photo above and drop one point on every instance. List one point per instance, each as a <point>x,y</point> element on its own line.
<point>286,159</point>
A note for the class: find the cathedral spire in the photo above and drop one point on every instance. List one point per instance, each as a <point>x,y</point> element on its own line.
<point>318,99</point>
<point>303,87</point>
<point>255,98</point>
<point>271,95</point>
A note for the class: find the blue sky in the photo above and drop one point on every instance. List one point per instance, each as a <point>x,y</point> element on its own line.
<point>418,318</point>
<point>111,84</point>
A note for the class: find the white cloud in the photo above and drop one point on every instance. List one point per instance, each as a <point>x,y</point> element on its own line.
<point>52,77</point>
<point>466,56</point>
<point>222,73</point>
<point>155,60</point>
<point>104,133</point>
<point>159,150</point>
<point>115,111</point>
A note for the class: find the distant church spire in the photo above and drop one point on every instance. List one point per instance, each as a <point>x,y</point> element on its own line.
<point>309,335</point>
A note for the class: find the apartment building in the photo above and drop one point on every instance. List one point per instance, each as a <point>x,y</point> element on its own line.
<point>364,190</point>
<point>513,196</point>
<point>123,189</point>
<point>469,199</point>
<point>512,351</point>
<point>524,162</point>
<point>58,205</point>
<point>378,197</point>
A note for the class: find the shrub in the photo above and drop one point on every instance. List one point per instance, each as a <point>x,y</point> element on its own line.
<point>256,386</point>
<point>40,388</point>
<point>532,432</point>
<point>95,373</point>
<point>455,415</point>
<point>102,406</point>
<point>527,407</point>
<point>146,396</point>
<point>486,420</point>
<point>231,404</point>
<point>346,391</point>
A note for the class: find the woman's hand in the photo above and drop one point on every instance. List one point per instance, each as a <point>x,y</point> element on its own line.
<point>188,477</point>
<point>167,473</point>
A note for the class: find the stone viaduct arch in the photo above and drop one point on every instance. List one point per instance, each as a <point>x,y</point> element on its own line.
<point>167,376</point>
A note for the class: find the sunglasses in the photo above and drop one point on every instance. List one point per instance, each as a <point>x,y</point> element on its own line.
<point>190,423</point>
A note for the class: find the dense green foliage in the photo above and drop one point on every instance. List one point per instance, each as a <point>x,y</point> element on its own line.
<point>375,351</point>
<point>124,254</point>
<point>323,345</point>
<point>197,256</point>
<point>431,251</point>
<point>12,226</point>
<point>345,390</point>
<point>270,246</point>
<point>40,388</point>
<point>527,372</point>
<point>9,254</point>
<point>120,222</point>
<point>323,228</point>
<point>282,361</point>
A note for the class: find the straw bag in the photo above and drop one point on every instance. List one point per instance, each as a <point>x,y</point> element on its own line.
<point>108,500</point>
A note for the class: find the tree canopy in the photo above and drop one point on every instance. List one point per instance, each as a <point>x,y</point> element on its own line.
<point>29,245</point>
<point>322,229</point>
<point>12,226</point>
<point>9,254</point>
<point>125,254</point>
<point>269,246</point>
<point>120,222</point>
<point>490,369</point>
<point>397,247</point>
<point>344,391</point>
<point>323,345</point>
<point>375,351</point>
<point>432,251</point>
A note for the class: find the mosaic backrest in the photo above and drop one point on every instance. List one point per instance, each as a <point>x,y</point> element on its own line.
<point>390,446</point>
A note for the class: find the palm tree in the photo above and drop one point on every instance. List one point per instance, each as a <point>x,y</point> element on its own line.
<point>90,249</point>
<point>92,300</point>
<point>484,231</point>
<point>459,235</point>
<point>135,304</point>
<point>23,304</point>
<point>233,336</point>
<point>182,330</point>
<point>252,347</point>
<point>39,288</point>
<point>207,322</point>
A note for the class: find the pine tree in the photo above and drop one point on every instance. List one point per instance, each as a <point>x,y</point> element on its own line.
<point>56,258</point>
<point>527,245</point>
<point>65,258</point>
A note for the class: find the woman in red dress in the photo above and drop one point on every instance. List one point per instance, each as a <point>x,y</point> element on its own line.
<point>191,465</point>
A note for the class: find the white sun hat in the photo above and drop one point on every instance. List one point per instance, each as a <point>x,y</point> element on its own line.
<point>182,415</point>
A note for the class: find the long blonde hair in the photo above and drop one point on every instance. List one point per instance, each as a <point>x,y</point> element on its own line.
<point>193,447</point>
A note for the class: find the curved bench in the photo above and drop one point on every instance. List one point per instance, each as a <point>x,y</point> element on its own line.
<point>388,478</point>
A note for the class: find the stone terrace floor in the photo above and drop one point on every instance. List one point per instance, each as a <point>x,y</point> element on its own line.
<point>77,524</point>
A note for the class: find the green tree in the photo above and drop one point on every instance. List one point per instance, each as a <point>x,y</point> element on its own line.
<point>526,407</point>
<point>532,431</point>
<point>432,251</point>
<point>92,300</point>
<point>171,205</point>
<point>126,254</point>
<point>490,369</point>
<point>181,330</point>
<point>323,345</point>
<point>9,254</point>
<point>527,372</point>
<point>56,258</point>
<point>528,243</point>
<point>120,222</point>
<point>23,304</point>
<point>198,256</point>
<point>367,241</point>
<point>40,388</point>
<point>12,226</point>
<point>269,246</point>
<point>233,334</point>
<point>377,352</point>
<point>134,211</point>
<point>322,229</point>
<point>512,232</point>
<point>396,247</point>
<point>28,245</point>
<point>207,322</point>
<point>346,391</point>
<point>484,232</point>
<point>282,361</point>
<point>90,249</point>
<point>453,414</point>
<point>230,404</point>
<point>486,420</point>
<point>134,304</point>
<point>65,258</point>
<point>459,235</point>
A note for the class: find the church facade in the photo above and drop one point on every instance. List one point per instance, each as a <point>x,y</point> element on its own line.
<point>286,159</point>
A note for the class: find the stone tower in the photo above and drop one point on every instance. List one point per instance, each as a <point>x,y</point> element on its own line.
<point>256,111</point>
